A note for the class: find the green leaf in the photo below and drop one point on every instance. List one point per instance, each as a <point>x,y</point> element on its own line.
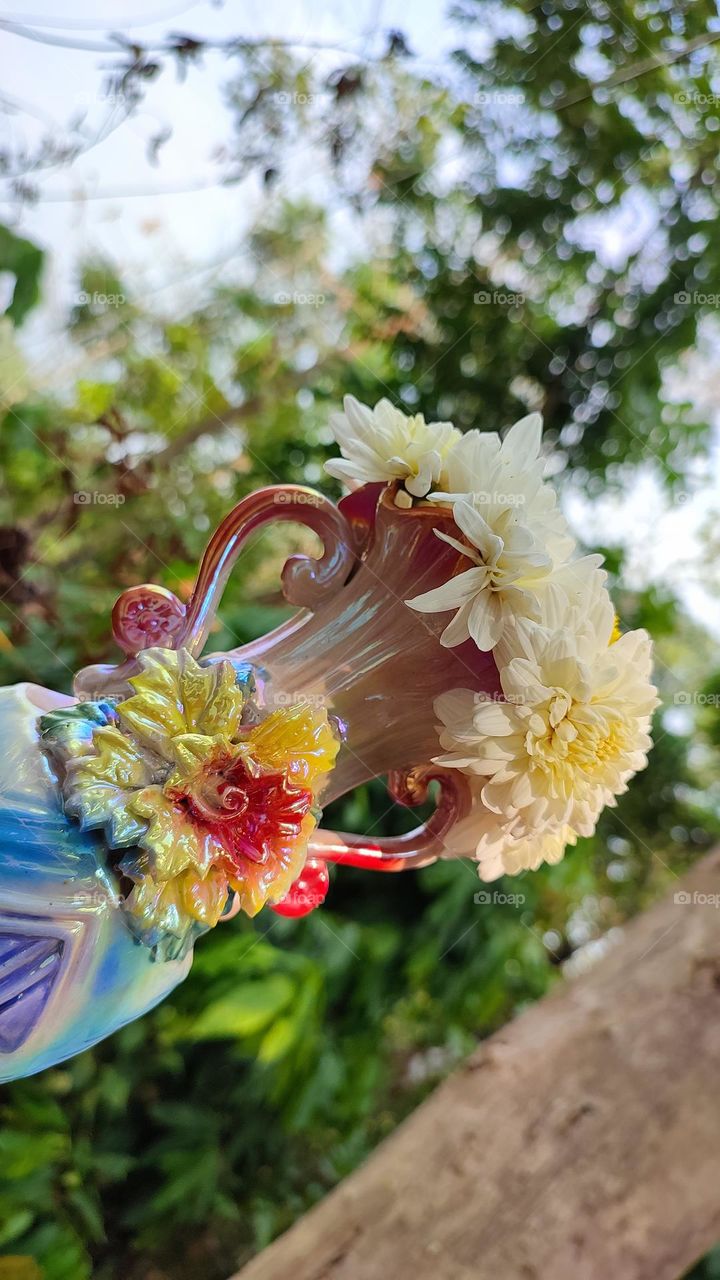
<point>248,1010</point>
<point>24,260</point>
<point>13,1226</point>
<point>279,1040</point>
<point>94,399</point>
<point>59,1252</point>
<point>23,1153</point>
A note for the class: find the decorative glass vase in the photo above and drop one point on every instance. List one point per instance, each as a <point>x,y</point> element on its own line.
<point>354,647</point>
<point>71,967</point>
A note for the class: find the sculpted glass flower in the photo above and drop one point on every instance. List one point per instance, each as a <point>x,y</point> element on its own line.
<point>384,444</point>
<point>203,801</point>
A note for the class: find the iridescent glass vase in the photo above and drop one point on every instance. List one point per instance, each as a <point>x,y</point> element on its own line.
<point>353,661</point>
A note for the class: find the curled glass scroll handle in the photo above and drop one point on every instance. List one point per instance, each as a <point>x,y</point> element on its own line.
<point>150,615</point>
<point>417,848</point>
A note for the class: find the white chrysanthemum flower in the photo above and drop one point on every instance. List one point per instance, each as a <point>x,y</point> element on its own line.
<point>518,538</point>
<point>573,598</point>
<point>384,444</point>
<point>486,838</point>
<point>506,563</point>
<point>573,731</point>
<point>495,476</point>
<point>529,853</point>
<point>509,857</point>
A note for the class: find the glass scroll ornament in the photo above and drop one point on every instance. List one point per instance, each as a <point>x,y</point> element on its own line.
<point>177,788</point>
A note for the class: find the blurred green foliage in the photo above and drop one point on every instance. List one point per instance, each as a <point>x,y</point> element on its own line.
<point>481,285</point>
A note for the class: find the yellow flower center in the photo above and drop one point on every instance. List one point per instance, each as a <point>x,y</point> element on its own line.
<point>573,746</point>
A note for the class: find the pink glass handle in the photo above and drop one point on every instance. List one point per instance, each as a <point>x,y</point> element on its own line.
<point>149,615</point>
<point>417,848</point>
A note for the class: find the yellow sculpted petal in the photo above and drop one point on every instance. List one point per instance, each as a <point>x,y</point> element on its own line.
<point>259,883</point>
<point>172,840</point>
<point>296,740</point>
<point>175,695</point>
<point>168,906</point>
<point>203,898</point>
<point>98,787</point>
<point>118,761</point>
<point>192,751</point>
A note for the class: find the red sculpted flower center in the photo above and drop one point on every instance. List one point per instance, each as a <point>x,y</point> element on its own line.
<point>251,815</point>
<point>219,792</point>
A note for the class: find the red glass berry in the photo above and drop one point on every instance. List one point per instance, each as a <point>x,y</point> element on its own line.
<point>307,892</point>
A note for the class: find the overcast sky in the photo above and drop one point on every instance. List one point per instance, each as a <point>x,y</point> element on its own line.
<point>113,199</point>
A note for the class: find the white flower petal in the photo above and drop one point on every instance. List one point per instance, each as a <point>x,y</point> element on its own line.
<point>523,440</point>
<point>453,542</point>
<point>566,743</point>
<point>478,531</point>
<point>456,707</point>
<point>457,631</point>
<point>359,417</point>
<point>453,593</point>
<point>493,719</point>
<point>485,622</point>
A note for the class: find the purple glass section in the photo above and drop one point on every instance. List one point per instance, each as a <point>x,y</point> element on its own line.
<point>29,966</point>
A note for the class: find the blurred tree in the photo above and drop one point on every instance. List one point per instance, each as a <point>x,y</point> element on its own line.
<point>549,199</point>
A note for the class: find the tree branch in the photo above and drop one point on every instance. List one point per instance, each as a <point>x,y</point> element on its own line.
<point>209,425</point>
